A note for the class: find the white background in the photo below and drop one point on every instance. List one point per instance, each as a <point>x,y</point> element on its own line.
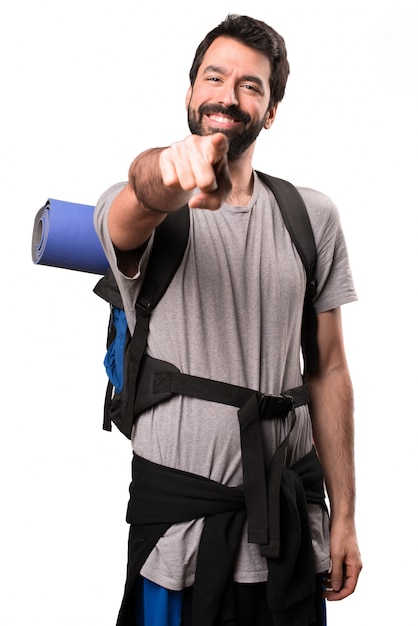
<point>85,86</point>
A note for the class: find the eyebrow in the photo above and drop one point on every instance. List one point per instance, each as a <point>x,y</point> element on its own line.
<point>221,70</point>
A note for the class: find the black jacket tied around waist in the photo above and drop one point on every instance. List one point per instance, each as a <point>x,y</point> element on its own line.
<point>161,496</point>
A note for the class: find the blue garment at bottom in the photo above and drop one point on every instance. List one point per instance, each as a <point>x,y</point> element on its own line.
<point>156,606</point>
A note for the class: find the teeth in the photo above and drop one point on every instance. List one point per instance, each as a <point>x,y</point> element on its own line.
<point>221,119</point>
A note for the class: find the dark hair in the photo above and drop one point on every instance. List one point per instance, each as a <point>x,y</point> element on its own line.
<point>257,35</point>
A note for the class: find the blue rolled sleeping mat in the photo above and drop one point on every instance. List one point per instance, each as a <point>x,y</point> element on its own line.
<point>64,236</point>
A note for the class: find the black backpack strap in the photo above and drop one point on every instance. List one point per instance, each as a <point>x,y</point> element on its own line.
<point>170,241</point>
<point>297,222</point>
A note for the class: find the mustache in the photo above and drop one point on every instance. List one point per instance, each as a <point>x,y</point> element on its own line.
<point>232,111</point>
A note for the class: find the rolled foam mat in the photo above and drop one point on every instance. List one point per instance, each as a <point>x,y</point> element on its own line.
<point>64,236</point>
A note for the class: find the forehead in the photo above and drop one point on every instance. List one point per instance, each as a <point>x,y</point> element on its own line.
<point>233,56</point>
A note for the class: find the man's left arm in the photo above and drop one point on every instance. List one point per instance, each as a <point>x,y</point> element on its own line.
<point>333,427</point>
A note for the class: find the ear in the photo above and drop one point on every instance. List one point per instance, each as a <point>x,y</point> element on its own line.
<point>271,116</point>
<point>189,96</point>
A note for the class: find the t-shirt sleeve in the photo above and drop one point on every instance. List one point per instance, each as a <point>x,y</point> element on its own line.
<point>101,213</point>
<point>334,276</point>
<point>128,286</point>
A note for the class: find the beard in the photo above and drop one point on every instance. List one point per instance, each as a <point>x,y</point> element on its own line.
<point>239,139</point>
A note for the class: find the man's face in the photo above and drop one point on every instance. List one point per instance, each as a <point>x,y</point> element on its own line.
<point>231,95</point>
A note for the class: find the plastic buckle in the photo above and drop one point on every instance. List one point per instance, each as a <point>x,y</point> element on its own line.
<point>144,307</point>
<point>271,406</point>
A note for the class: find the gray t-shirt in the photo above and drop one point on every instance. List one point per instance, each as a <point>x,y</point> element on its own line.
<point>232,313</point>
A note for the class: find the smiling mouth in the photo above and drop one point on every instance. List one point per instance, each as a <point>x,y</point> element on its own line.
<point>220,117</point>
<point>222,120</point>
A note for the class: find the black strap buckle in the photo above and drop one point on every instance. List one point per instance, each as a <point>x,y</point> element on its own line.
<point>271,406</point>
<point>143,307</point>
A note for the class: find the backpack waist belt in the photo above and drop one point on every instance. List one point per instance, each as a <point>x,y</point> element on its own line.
<point>160,380</point>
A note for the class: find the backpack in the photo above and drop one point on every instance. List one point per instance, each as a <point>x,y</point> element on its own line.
<point>128,368</point>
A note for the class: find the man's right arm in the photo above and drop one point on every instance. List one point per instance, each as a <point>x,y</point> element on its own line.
<point>162,180</point>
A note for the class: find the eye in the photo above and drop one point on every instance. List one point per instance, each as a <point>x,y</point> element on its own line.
<point>251,87</point>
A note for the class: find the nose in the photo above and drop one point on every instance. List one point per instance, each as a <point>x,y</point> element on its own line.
<point>227,95</point>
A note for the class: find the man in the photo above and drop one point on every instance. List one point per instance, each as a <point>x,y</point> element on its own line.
<point>233,314</point>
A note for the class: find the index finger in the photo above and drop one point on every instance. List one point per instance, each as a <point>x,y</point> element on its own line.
<point>214,149</point>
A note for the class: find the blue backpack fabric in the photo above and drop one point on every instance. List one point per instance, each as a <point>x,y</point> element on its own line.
<point>115,356</point>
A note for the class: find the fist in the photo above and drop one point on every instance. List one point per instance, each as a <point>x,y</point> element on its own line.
<point>198,162</point>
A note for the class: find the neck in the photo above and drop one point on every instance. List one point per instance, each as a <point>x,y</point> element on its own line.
<point>242,179</point>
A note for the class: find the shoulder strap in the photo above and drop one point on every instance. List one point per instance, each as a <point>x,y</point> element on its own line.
<point>297,222</point>
<point>170,241</point>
